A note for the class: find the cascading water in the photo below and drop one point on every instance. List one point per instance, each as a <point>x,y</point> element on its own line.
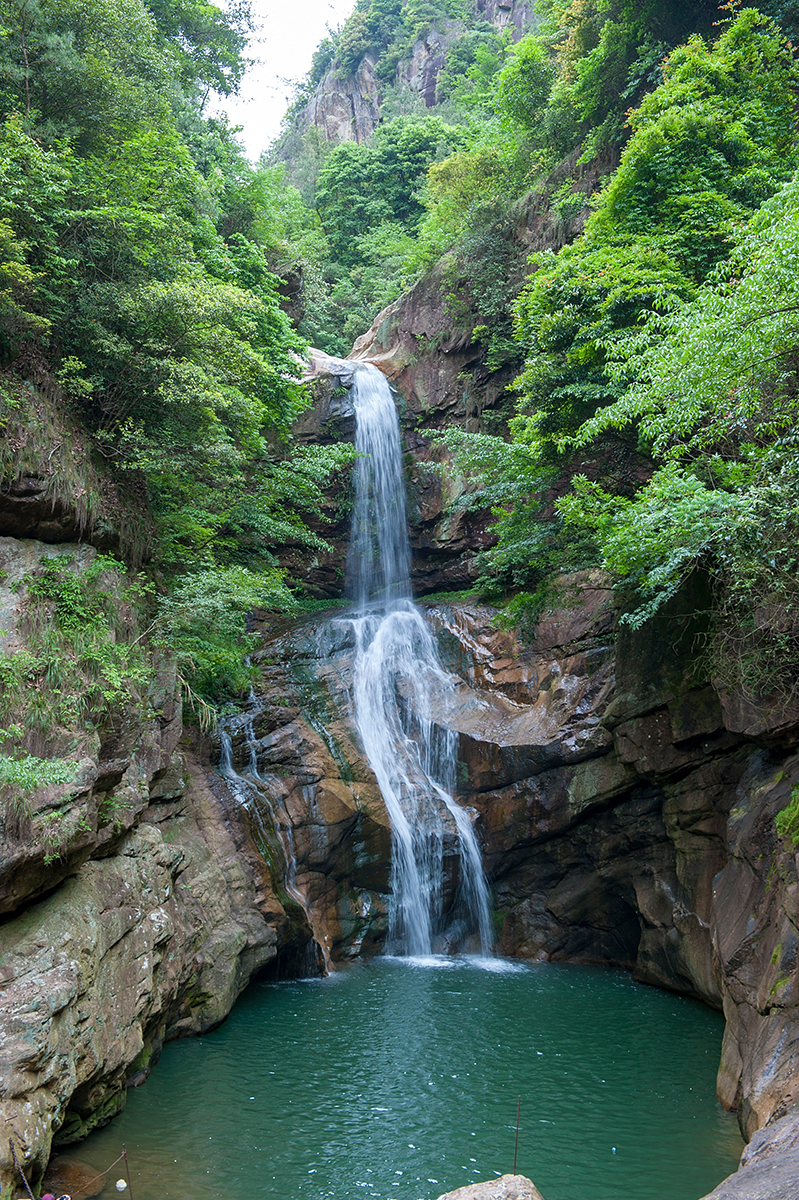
<point>396,673</point>
<point>247,791</point>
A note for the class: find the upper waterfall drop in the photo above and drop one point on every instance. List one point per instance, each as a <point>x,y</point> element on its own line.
<point>396,673</point>
<point>379,556</point>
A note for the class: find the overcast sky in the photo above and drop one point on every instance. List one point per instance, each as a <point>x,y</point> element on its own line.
<point>288,33</point>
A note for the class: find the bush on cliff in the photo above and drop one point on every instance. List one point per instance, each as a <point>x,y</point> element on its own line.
<point>136,246</point>
<point>708,146</point>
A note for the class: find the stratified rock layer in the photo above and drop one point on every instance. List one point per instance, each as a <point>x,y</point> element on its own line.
<point>622,820</point>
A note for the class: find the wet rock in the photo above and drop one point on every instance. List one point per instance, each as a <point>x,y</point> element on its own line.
<point>656,849</point>
<point>508,1187</point>
<point>72,1176</point>
<point>769,1167</point>
<point>142,919</point>
<point>317,798</point>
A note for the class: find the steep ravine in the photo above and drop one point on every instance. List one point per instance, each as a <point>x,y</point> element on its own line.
<point>626,818</point>
<point>625,808</point>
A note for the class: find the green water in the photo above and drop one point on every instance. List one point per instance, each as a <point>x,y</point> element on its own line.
<point>397,1080</point>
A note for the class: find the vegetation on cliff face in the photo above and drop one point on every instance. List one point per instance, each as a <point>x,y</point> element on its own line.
<point>142,343</point>
<point>661,367</point>
<point>659,345</point>
<point>160,287</point>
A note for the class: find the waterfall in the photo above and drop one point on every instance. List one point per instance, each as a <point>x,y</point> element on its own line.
<point>246,791</point>
<point>397,672</point>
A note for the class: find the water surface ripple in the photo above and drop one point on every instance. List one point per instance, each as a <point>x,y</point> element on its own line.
<point>399,1078</point>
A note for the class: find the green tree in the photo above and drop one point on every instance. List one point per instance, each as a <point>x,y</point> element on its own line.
<point>211,42</point>
<point>524,84</point>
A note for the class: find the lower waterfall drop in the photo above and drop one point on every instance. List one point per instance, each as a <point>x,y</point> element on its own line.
<point>397,672</point>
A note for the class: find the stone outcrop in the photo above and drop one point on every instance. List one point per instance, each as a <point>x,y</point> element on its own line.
<point>135,906</point>
<point>344,108</point>
<point>428,342</point>
<point>507,1187</point>
<point>319,803</point>
<point>53,490</point>
<point>151,942</point>
<point>347,107</point>
<point>626,807</point>
<point>46,839</point>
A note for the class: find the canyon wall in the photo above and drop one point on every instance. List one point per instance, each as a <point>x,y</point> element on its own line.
<point>346,107</point>
<point>135,904</point>
<point>625,809</point>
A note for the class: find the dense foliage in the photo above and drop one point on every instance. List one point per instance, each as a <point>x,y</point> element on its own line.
<point>661,368</point>
<point>163,287</point>
<point>138,250</point>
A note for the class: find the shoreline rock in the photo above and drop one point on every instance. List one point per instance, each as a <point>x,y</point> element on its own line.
<point>507,1187</point>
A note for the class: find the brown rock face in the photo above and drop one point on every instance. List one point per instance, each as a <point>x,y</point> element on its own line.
<point>315,795</point>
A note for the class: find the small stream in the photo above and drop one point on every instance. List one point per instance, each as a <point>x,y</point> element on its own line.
<point>399,1078</point>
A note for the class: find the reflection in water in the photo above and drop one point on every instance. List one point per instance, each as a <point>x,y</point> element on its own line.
<point>400,1077</point>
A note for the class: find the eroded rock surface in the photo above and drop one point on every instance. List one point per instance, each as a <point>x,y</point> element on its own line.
<point>445,536</point>
<point>135,906</point>
<point>625,818</point>
<point>507,1187</point>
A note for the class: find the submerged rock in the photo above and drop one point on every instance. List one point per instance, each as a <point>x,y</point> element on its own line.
<point>74,1177</point>
<point>769,1167</point>
<point>508,1187</point>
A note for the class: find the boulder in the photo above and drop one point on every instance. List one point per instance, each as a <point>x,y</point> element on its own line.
<point>507,1187</point>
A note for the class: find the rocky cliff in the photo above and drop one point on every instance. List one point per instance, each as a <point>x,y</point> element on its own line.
<point>626,815</point>
<point>134,903</point>
<point>347,106</point>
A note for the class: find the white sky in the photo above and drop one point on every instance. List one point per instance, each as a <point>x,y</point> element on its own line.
<point>287,33</point>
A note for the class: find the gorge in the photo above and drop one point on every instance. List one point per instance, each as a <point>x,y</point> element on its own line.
<point>625,814</point>
<point>450,668</point>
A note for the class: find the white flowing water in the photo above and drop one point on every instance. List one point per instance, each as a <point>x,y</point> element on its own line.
<point>247,791</point>
<point>397,673</point>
